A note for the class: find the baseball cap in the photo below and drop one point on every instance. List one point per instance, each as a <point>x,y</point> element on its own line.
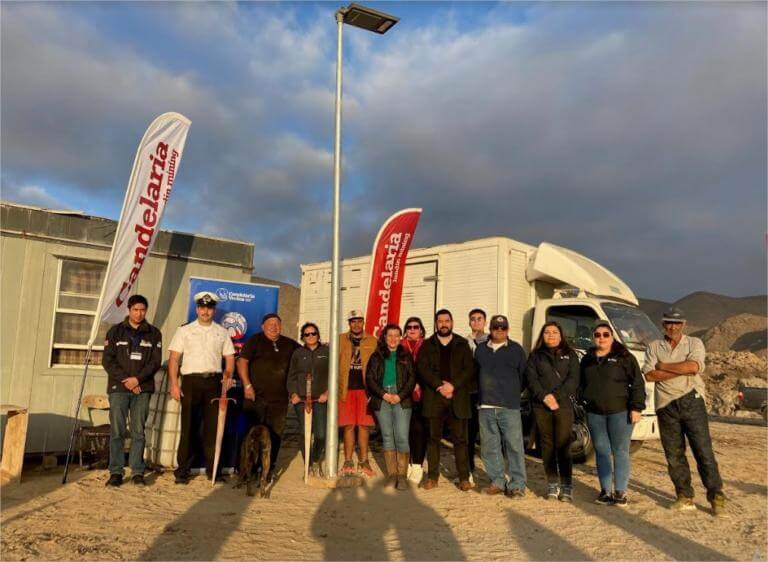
<point>354,314</point>
<point>499,321</point>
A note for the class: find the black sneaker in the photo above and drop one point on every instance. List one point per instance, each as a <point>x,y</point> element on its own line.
<point>271,476</point>
<point>115,481</point>
<point>566,494</point>
<point>182,479</point>
<point>553,491</point>
<point>620,499</point>
<point>138,480</point>
<point>604,498</point>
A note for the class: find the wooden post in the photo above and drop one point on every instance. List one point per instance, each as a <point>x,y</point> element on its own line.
<point>13,443</point>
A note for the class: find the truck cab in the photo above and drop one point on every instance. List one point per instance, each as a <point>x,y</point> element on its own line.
<point>583,292</point>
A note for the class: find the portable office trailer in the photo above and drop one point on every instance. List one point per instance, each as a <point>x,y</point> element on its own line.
<point>52,264</point>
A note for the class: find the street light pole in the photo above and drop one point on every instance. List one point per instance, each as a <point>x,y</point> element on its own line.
<point>332,432</point>
<point>377,22</point>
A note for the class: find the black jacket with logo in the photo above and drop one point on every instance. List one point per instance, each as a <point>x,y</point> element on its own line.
<point>145,344</point>
<point>406,378</point>
<point>612,383</point>
<point>303,361</point>
<point>553,373</point>
<point>463,377</point>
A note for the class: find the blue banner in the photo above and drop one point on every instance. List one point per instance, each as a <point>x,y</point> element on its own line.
<point>240,308</point>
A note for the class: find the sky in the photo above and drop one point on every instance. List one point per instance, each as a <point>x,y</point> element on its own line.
<point>633,133</point>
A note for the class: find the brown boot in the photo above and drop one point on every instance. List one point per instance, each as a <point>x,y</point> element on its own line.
<point>402,471</point>
<point>390,460</point>
<point>429,484</point>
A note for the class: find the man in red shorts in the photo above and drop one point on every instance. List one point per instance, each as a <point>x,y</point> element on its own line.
<point>355,348</point>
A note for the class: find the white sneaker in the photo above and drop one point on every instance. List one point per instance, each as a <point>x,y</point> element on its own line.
<point>415,473</point>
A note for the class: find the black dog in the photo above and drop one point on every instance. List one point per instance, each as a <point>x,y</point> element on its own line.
<point>256,445</point>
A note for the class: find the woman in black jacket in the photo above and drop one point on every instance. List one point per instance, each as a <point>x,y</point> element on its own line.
<point>390,378</point>
<point>553,378</point>
<point>614,392</point>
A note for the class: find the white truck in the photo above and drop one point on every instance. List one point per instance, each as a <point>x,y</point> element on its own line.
<point>530,285</point>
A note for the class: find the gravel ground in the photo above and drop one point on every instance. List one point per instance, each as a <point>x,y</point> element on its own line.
<point>43,520</point>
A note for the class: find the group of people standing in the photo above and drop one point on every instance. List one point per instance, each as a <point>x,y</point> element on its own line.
<point>417,386</point>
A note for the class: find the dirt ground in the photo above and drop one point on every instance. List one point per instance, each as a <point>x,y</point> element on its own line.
<point>42,520</point>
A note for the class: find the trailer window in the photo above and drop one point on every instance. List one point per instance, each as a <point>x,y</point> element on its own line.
<point>576,322</point>
<point>76,301</point>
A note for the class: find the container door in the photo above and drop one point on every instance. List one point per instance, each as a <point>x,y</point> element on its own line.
<point>419,293</point>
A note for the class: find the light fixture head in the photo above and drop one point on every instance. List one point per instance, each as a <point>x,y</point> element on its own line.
<point>368,18</point>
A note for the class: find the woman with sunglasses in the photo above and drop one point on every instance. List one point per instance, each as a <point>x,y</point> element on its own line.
<point>310,360</point>
<point>553,379</point>
<point>418,434</point>
<point>614,392</point>
<point>390,379</point>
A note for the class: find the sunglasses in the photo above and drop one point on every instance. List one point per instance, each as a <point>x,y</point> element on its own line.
<point>413,327</point>
<point>309,334</point>
<point>500,328</point>
<point>598,335</point>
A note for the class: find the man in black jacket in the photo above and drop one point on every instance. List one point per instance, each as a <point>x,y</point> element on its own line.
<point>132,355</point>
<point>446,373</point>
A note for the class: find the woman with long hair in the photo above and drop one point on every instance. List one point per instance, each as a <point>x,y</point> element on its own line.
<point>418,433</point>
<point>614,392</point>
<point>390,379</point>
<point>553,380</point>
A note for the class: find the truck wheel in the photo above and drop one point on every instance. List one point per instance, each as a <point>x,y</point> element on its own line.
<point>635,446</point>
<point>582,447</point>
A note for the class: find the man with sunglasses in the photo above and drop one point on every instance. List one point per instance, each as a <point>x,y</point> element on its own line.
<point>263,370</point>
<point>675,364</point>
<point>310,360</point>
<point>501,376</point>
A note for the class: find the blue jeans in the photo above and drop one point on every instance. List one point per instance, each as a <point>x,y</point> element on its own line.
<point>611,434</point>
<point>497,426</point>
<point>120,404</point>
<point>395,422</point>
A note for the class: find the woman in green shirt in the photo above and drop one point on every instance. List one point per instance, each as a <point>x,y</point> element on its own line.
<point>390,378</point>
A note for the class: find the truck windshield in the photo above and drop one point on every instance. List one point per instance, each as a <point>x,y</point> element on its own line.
<point>632,324</point>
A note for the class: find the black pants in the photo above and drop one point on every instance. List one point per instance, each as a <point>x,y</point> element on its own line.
<point>473,428</point>
<point>198,392</point>
<point>457,428</point>
<point>681,418</point>
<point>271,415</point>
<point>319,419</point>
<point>555,430</point>
<point>418,435</point>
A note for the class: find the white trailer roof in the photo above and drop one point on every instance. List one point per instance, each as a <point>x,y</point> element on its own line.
<point>559,265</point>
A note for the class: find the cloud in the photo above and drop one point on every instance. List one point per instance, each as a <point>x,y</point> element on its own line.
<point>649,120</point>
<point>33,195</point>
<point>631,133</point>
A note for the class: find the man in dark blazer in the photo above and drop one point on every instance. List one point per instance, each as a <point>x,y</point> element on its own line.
<point>446,373</point>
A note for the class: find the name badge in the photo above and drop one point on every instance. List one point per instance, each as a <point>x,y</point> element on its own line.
<point>135,356</point>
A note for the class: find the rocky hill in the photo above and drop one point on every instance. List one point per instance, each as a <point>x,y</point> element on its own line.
<point>725,371</point>
<point>743,332</point>
<point>706,310</point>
